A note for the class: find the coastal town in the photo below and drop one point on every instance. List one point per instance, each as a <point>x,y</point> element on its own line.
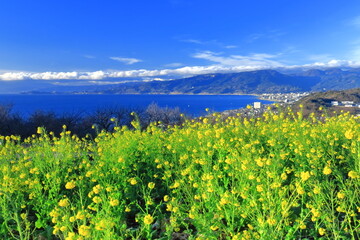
<point>283,99</point>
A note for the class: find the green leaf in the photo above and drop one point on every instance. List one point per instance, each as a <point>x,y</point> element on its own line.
<point>38,224</point>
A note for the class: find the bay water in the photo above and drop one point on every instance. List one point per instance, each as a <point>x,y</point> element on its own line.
<point>193,105</point>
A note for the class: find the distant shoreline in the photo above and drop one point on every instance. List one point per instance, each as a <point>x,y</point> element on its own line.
<point>95,93</point>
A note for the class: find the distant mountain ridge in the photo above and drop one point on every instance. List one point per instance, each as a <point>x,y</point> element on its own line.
<point>334,78</point>
<point>252,82</point>
<point>221,83</point>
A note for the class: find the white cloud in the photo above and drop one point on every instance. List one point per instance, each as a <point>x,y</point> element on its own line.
<point>213,42</point>
<point>332,63</point>
<point>98,75</point>
<point>174,65</point>
<point>127,61</point>
<point>40,76</point>
<point>192,41</point>
<point>230,46</point>
<point>273,35</point>
<point>258,59</point>
<point>233,63</point>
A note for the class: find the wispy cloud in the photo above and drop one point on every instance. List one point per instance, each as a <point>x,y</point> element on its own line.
<point>196,41</point>
<point>127,61</point>
<point>89,56</point>
<point>253,37</point>
<point>230,46</point>
<point>174,65</point>
<point>273,35</point>
<point>212,42</point>
<point>258,59</point>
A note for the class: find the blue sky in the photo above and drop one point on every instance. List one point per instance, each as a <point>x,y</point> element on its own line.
<point>112,38</point>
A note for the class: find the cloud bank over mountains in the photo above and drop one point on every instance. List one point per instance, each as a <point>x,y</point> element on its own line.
<point>222,64</point>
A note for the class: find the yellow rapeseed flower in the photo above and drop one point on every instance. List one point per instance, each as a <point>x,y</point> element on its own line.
<point>39,130</point>
<point>327,170</point>
<point>80,215</point>
<point>300,190</point>
<point>151,185</point>
<point>56,230</point>
<point>64,202</point>
<point>259,188</point>
<point>349,134</point>
<point>322,231</point>
<point>70,185</point>
<point>148,219</point>
<point>317,190</point>
<point>97,188</point>
<point>223,201</point>
<point>214,228</point>
<point>96,199</point>
<point>133,181</point>
<point>302,226</point>
<point>353,174</point>
<point>271,221</point>
<point>340,195</point>
<point>114,202</point>
<point>305,175</point>
<point>175,185</point>
<point>101,225</point>
<point>70,236</point>
<point>84,230</point>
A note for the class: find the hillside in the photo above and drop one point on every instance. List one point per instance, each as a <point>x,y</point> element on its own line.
<point>314,101</point>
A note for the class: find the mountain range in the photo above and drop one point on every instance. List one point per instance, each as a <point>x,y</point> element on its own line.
<point>252,82</point>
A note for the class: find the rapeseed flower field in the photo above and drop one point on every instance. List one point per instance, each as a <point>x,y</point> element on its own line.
<point>276,177</point>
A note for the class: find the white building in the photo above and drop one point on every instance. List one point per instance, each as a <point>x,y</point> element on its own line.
<point>334,103</point>
<point>257,105</point>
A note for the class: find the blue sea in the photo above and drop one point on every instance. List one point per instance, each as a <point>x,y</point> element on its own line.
<point>193,105</point>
